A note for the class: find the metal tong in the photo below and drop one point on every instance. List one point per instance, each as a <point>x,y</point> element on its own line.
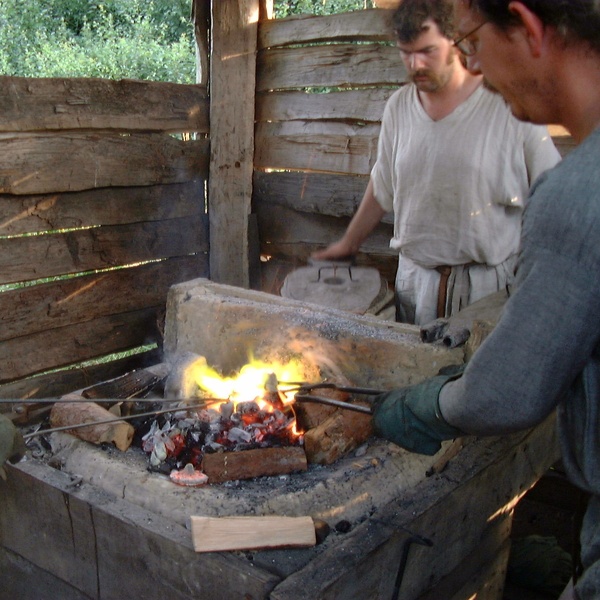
<point>304,394</point>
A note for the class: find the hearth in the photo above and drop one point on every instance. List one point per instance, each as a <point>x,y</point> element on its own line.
<point>130,527</point>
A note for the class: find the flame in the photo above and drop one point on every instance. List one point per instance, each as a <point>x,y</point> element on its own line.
<point>250,383</point>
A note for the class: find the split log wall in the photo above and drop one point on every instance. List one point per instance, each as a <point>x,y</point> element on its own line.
<point>102,208</point>
<point>322,83</point>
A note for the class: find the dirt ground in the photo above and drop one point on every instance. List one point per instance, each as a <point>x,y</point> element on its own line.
<point>549,509</point>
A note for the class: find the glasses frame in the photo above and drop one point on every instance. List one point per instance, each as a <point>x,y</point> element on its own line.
<point>465,46</point>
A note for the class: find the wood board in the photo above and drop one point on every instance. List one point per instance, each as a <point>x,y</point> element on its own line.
<point>216,534</point>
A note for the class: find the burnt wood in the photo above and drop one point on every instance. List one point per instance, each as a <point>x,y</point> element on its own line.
<point>36,164</point>
<point>246,464</point>
<point>42,104</point>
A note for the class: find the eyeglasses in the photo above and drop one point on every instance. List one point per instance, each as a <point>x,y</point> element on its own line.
<point>465,45</point>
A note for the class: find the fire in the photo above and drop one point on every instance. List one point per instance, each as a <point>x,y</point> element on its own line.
<point>249,384</point>
<point>244,411</point>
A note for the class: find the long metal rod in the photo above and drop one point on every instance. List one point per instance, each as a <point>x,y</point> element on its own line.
<point>97,400</point>
<point>331,402</point>
<point>309,387</point>
<point>115,420</point>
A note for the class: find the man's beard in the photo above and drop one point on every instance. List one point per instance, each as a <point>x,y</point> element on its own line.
<point>433,83</point>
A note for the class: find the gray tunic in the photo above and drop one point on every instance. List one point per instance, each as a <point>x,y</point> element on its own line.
<point>544,353</point>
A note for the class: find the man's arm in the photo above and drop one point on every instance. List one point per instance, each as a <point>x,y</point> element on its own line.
<point>367,217</point>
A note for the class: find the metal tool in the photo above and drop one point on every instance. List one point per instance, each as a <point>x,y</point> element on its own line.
<point>304,394</point>
<point>115,420</point>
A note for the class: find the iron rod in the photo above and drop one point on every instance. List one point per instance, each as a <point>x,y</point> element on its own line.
<point>115,420</point>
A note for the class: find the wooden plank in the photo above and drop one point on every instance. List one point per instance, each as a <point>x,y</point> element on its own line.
<point>59,383</point>
<point>108,548</point>
<point>361,25</point>
<point>311,146</point>
<point>329,65</point>
<point>281,226</point>
<point>28,355</point>
<point>105,206</point>
<point>43,307</point>
<point>36,163</point>
<point>40,104</point>
<point>320,193</point>
<point>233,67</point>
<point>98,248</point>
<point>481,574</point>
<point>217,534</point>
<point>23,580</point>
<point>364,105</point>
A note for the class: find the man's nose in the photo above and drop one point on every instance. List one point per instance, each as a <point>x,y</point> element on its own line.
<point>416,61</point>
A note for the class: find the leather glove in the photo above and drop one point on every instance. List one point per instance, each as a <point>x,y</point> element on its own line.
<point>455,330</point>
<point>12,445</point>
<point>411,418</point>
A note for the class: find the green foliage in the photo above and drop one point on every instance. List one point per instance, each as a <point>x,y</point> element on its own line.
<point>286,8</point>
<point>114,39</point>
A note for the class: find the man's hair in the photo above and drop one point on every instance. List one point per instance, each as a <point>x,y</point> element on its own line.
<point>409,17</point>
<point>574,20</point>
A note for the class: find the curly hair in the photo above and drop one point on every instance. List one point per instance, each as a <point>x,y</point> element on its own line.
<point>409,17</point>
<point>574,20</point>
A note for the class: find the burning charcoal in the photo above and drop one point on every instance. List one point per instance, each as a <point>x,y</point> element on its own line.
<point>249,407</point>
<point>188,476</point>
<point>237,435</point>
<point>226,409</point>
<point>159,453</point>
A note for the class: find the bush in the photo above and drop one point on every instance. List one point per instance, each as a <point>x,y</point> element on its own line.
<point>115,39</point>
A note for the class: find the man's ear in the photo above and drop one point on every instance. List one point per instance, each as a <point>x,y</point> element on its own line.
<point>532,24</point>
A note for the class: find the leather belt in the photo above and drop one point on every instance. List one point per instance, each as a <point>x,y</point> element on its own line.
<point>444,272</point>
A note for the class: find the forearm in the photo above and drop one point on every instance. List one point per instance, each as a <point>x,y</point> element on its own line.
<point>366,218</point>
<point>525,367</point>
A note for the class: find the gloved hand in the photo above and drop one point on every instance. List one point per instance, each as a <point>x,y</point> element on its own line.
<point>12,445</point>
<point>455,330</point>
<point>411,418</point>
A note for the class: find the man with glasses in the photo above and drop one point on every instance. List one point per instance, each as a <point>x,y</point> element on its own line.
<point>454,166</point>
<point>543,56</point>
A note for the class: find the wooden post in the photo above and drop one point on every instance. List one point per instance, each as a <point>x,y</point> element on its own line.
<point>232,88</point>
<point>201,21</point>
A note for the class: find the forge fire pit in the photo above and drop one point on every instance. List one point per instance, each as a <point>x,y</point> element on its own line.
<point>92,522</point>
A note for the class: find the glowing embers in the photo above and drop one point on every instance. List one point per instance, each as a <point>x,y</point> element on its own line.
<point>244,412</point>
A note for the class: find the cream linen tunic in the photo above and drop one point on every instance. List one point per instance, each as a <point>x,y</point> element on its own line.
<point>457,188</point>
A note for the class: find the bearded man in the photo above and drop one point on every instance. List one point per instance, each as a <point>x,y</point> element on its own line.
<point>454,166</point>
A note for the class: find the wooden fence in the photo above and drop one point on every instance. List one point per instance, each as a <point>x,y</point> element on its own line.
<point>102,209</point>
